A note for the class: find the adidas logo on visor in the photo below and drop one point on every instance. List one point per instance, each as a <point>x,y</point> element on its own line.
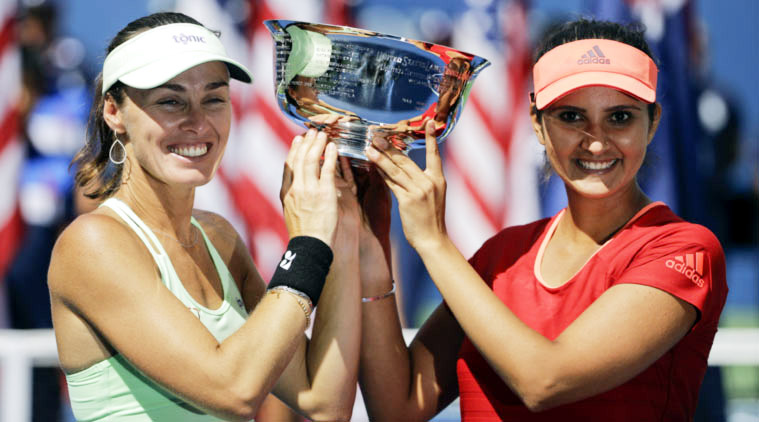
<point>690,265</point>
<point>594,55</point>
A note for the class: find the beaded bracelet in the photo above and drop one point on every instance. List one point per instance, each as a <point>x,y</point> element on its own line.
<point>380,297</point>
<point>300,297</point>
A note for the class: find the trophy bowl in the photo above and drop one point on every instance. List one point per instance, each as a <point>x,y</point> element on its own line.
<point>381,89</point>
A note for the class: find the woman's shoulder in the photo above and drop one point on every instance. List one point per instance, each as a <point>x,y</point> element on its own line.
<point>228,243</point>
<point>92,231</point>
<point>660,241</point>
<point>218,229</point>
<point>211,221</point>
<point>663,226</point>
<point>93,245</point>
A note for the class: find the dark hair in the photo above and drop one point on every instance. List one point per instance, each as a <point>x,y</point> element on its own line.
<point>94,171</point>
<point>582,29</point>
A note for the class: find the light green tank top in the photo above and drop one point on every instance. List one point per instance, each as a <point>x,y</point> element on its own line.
<point>113,389</point>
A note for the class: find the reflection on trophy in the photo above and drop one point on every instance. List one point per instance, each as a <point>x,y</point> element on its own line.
<point>384,88</point>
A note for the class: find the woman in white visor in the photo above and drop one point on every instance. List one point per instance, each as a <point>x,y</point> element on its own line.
<point>159,311</point>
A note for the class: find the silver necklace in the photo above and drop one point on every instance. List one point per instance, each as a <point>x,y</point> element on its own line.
<point>184,245</point>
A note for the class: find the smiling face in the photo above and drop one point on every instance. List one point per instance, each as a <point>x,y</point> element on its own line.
<point>177,132</point>
<point>596,140</point>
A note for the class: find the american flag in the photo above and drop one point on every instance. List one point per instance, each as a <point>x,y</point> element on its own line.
<point>246,189</point>
<point>492,157</point>
<point>11,148</point>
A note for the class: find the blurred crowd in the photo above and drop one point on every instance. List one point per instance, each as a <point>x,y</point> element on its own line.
<point>53,111</point>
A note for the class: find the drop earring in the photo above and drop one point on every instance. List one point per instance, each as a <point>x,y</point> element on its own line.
<point>122,154</point>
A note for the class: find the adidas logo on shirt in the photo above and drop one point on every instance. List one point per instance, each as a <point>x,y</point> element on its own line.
<point>594,55</point>
<point>690,265</point>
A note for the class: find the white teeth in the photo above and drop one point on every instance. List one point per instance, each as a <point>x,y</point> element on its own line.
<point>190,151</point>
<point>596,165</point>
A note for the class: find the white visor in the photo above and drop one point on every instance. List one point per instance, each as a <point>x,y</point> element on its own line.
<point>153,57</point>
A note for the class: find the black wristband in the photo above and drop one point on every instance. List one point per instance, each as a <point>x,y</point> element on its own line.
<point>304,266</point>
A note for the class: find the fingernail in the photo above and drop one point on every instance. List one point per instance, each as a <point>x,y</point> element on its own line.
<point>370,152</point>
<point>330,147</point>
<point>321,135</point>
<point>297,139</point>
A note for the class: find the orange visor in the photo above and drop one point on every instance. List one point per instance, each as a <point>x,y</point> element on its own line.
<point>593,62</point>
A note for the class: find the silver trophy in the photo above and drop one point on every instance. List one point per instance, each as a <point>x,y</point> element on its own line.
<point>383,88</point>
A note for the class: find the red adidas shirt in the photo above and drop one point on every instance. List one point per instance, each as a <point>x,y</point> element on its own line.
<point>656,248</point>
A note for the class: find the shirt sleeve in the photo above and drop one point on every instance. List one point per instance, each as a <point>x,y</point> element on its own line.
<point>688,263</point>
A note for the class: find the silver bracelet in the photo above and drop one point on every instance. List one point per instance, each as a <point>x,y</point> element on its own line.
<point>303,300</point>
<point>380,297</point>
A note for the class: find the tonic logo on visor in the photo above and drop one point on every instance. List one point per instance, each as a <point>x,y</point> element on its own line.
<point>594,55</point>
<point>153,57</point>
<point>184,39</point>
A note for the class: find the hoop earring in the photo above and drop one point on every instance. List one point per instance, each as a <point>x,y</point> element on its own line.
<point>120,161</point>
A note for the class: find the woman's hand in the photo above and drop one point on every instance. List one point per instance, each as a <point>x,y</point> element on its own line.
<point>420,194</point>
<point>309,194</point>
